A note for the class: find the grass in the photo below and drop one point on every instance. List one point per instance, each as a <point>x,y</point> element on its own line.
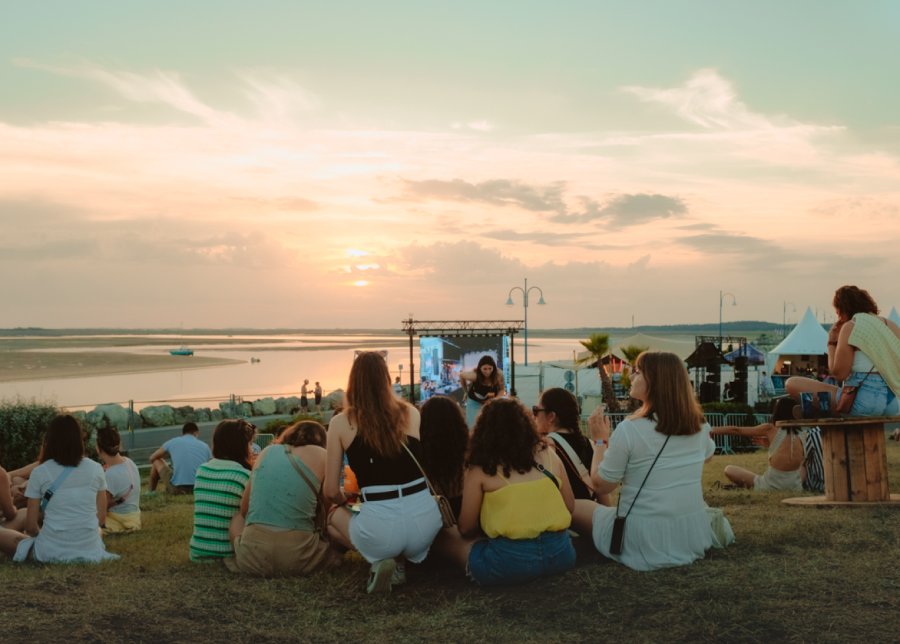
<point>794,574</point>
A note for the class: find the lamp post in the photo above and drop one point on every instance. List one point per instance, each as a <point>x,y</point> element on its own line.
<point>525,291</point>
<point>784,317</point>
<point>722,297</point>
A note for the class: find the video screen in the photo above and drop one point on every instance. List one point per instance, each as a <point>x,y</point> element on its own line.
<point>442,358</point>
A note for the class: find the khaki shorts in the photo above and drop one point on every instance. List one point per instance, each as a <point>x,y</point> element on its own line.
<point>165,477</point>
<point>118,523</point>
<point>266,552</point>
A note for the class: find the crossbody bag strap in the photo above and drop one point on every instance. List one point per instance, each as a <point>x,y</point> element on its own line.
<point>574,461</point>
<point>644,481</point>
<point>293,461</point>
<point>68,469</point>
<point>121,498</point>
<point>421,469</point>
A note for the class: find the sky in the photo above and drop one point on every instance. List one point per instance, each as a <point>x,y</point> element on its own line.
<point>348,164</point>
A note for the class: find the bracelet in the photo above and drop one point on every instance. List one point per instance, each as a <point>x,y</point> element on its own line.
<point>601,443</point>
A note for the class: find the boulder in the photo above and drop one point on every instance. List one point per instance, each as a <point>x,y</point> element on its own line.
<point>185,414</point>
<point>215,415</point>
<point>110,415</point>
<point>159,415</point>
<point>287,405</point>
<point>264,407</point>
<point>334,400</point>
<point>203,414</point>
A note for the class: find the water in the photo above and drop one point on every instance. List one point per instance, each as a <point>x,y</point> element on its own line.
<point>284,362</point>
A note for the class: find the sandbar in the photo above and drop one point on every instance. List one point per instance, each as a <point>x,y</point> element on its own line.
<point>40,365</point>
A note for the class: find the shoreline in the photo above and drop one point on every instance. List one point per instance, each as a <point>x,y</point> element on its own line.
<point>21,366</point>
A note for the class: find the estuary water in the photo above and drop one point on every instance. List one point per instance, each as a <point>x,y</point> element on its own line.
<point>269,366</point>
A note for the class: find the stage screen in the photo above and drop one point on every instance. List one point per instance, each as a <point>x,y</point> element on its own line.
<point>442,358</point>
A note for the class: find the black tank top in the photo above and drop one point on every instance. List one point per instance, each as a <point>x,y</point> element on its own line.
<point>372,469</point>
<point>479,392</point>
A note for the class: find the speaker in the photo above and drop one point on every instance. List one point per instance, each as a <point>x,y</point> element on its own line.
<point>740,368</point>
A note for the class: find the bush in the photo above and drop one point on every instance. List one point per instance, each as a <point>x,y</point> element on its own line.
<point>22,426</point>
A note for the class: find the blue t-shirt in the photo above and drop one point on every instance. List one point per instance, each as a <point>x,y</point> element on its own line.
<point>188,453</point>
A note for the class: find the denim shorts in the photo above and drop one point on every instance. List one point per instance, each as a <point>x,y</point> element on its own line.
<point>510,561</point>
<point>874,397</point>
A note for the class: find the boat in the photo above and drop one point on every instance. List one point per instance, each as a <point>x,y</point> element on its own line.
<point>183,351</point>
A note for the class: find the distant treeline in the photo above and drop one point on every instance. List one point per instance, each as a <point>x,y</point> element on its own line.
<point>729,328</point>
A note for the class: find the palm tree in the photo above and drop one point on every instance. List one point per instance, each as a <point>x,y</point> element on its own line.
<point>631,352</point>
<point>598,346</point>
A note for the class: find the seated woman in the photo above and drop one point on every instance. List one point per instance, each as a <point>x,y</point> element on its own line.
<point>558,418</point>
<point>70,490</point>
<point>863,351</point>
<point>378,432</point>
<point>444,437</point>
<point>786,453</point>
<point>516,489</point>
<point>219,488</point>
<point>11,517</point>
<point>481,384</point>
<point>657,454</point>
<point>123,510</point>
<point>274,533</point>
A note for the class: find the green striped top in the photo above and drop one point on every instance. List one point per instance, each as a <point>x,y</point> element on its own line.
<point>217,496</point>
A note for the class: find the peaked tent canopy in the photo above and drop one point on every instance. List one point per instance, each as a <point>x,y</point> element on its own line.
<point>894,316</point>
<point>753,355</point>
<point>807,338</point>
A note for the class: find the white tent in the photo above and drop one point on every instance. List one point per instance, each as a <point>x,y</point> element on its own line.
<point>894,316</point>
<point>807,339</point>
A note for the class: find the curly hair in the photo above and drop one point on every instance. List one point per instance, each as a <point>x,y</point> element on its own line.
<point>231,441</point>
<point>568,415</point>
<point>494,380</point>
<point>444,438</point>
<point>504,437</point>
<point>306,432</point>
<point>670,398</point>
<point>850,300</point>
<point>379,417</point>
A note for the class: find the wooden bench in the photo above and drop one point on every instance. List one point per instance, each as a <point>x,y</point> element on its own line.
<point>854,458</point>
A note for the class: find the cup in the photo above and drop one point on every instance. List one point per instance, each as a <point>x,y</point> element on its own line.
<point>824,404</point>
<point>806,405</point>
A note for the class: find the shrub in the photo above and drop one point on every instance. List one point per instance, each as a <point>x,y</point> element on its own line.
<point>23,424</point>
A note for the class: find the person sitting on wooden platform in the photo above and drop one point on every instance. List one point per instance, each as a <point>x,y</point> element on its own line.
<point>786,453</point>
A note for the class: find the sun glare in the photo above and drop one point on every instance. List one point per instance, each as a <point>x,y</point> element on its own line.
<point>355,252</point>
<point>361,283</point>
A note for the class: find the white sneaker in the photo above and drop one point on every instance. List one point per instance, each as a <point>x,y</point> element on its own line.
<point>381,575</point>
<point>399,576</point>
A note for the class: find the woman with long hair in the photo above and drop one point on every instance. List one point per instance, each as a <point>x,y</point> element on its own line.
<point>481,384</point>
<point>863,351</point>
<point>558,418</point>
<point>70,491</point>
<point>517,502</point>
<point>379,434</point>
<point>445,438</point>
<point>274,531</point>
<point>657,454</point>
<point>219,488</point>
<point>123,481</point>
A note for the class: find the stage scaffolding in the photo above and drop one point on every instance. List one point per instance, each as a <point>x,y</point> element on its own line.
<point>461,328</point>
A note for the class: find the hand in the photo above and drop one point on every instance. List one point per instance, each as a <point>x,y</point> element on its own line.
<point>598,424</point>
<point>835,331</point>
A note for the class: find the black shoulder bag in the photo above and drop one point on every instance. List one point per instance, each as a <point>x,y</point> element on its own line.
<point>618,532</point>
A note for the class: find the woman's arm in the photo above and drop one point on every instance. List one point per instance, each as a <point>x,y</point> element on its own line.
<point>7,507</point>
<point>31,517</point>
<point>334,459</point>
<point>101,506</point>
<point>22,472</point>
<point>245,500</point>
<point>840,353</point>
<point>473,494</point>
<point>734,430</point>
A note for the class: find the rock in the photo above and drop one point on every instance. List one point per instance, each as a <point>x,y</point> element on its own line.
<point>185,414</point>
<point>112,415</point>
<point>203,414</point>
<point>287,405</point>
<point>158,415</point>
<point>334,400</point>
<point>264,407</point>
<point>216,415</point>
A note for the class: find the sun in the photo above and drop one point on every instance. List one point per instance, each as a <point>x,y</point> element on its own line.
<point>361,283</point>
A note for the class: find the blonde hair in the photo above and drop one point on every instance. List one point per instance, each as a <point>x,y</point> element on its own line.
<point>378,416</point>
<point>670,399</point>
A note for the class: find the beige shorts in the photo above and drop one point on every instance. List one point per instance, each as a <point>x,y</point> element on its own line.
<point>165,477</point>
<point>775,480</point>
<point>266,552</point>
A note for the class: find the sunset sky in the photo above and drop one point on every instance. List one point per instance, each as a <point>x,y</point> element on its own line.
<point>345,164</point>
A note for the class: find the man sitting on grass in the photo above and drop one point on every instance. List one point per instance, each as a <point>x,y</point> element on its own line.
<point>187,452</point>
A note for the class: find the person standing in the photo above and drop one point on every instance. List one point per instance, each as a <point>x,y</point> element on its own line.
<point>317,393</point>
<point>304,396</point>
<point>187,452</point>
<point>483,383</point>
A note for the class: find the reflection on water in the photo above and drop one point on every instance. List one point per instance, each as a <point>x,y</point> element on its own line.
<point>281,369</point>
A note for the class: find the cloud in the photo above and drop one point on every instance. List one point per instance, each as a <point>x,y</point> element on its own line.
<point>497,192</point>
<point>547,238</point>
<point>627,210</point>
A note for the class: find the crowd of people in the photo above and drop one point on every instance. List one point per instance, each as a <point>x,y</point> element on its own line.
<point>520,483</point>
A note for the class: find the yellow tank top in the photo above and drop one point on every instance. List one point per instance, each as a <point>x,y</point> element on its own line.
<point>524,510</point>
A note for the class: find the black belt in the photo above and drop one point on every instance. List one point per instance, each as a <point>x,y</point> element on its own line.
<point>393,494</point>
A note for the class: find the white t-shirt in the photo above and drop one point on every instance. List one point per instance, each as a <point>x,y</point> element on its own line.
<point>71,531</point>
<point>124,480</point>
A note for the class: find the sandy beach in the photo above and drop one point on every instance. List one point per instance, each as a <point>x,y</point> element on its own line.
<point>37,365</point>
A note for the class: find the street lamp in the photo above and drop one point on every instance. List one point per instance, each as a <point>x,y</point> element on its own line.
<point>784,317</point>
<point>525,291</point>
<point>722,297</point>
